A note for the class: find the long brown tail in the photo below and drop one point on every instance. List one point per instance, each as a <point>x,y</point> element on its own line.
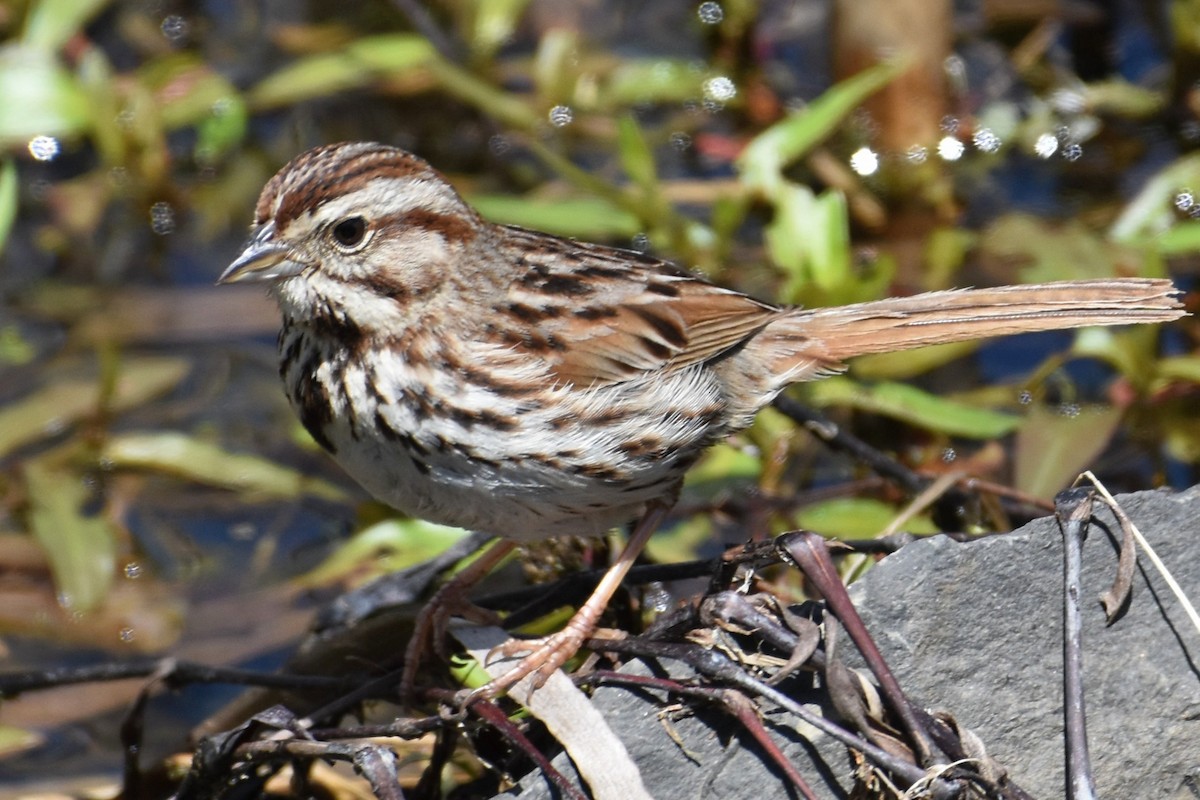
<point>831,335</point>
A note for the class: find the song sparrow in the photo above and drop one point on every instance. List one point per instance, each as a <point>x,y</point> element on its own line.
<point>529,386</point>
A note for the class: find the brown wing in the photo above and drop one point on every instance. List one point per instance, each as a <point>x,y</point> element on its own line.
<point>604,315</point>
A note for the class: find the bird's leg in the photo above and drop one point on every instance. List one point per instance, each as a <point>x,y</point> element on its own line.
<point>448,601</point>
<point>548,653</point>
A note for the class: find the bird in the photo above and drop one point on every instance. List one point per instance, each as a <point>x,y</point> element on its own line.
<point>528,386</point>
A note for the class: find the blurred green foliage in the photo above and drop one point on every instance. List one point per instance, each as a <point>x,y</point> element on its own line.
<point>584,133</point>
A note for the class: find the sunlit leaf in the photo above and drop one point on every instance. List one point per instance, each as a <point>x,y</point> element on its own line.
<point>40,97</point>
<point>724,462</point>
<point>1052,448</point>
<point>809,238</point>
<point>908,363</point>
<point>53,408</point>
<point>1182,239</point>
<point>636,157</point>
<point>51,23</point>
<point>763,160</point>
<point>8,198</point>
<point>1183,368</point>
<point>580,217</point>
<point>1122,98</point>
<point>659,80</point>
<point>384,547</point>
<point>204,462</point>
<point>81,547</point>
<point>856,518</point>
<point>914,406</point>
<point>554,66</point>
<point>495,23</point>
<point>15,740</point>
<point>356,66</point>
<point>1152,212</point>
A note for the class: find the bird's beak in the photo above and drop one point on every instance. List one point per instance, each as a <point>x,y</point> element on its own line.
<point>263,259</point>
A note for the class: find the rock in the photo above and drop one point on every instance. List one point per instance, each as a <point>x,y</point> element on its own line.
<point>976,629</point>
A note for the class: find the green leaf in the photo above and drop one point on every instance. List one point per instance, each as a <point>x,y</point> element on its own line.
<point>1152,213</point>
<point>356,66</point>
<point>909,363</point>
<point>580,217</point>
<point>1181,239</point>
<point>1183,368</point>
<point>856,518</point>
<point>495,25</point>
<point>636,157</point>
<point>660,80</point>
<point>54,407</point>
<point>8,198</point>
<point>81,548</point>
<point>809,238</point>
<point>386,546</point>
<point>51,23</point>
<point>40,97</point>
<point>763,160</point>
<point>1052,448</point>
<point>913,406</point>
<point>203,462</point>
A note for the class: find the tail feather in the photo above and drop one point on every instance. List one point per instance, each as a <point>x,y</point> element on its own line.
<point>831,335</point>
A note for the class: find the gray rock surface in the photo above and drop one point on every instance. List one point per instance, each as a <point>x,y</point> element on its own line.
<point>976,629</point>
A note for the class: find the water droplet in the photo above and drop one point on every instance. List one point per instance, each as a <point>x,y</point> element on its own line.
<point>126,635</point>
<point>950,149</point>
<point>1185,200</point>
<point>65,601</point>
<point>681,141</point>
<point>133,570</point>
<point>44,148</point>
<point>1025,397</point>
<point>719,89</point>
<point>1068,101</point>
<point>917,154</point>
<point>949,124</point>
<point>986,140</point>
<point>54,426</point>
<point>1046,145</point>
<point>1069,410</point>
<point>710,13</point>
<point>641,242</point>
<point>243,531</point>
<point>561,116</point>
<point>162,218</point>
<point>864,161</point>
<point>498,145</point>
<point>1073,151</point>
<point>949,455</point>
<point>175,28</point>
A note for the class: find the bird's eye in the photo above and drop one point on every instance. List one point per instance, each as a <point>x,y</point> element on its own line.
<point>350,232</point>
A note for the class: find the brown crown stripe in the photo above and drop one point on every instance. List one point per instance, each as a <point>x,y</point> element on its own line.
<point>319,186</point>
